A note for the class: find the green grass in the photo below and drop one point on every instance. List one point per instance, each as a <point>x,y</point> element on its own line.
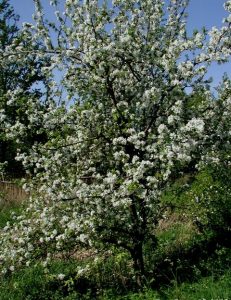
<point>33,284</point>
<point>184,268</point>
<point>6,210</point>
<point>147,294</point>
<point>26,284</point>
<point>206,288</point>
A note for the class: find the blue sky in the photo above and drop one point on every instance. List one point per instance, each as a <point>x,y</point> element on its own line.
<point>206,13</point>
<point>201,12</point>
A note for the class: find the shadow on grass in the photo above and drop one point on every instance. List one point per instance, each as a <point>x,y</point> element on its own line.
<point>190,264</point>
<point>185,264</point>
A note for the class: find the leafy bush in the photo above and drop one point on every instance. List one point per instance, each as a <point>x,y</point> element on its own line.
<point>210,196</point>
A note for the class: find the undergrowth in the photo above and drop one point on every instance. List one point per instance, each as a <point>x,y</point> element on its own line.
<point>187,263</point>
<point>183,268</point>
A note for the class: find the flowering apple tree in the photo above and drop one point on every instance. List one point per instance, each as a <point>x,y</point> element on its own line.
<point>120,122</point>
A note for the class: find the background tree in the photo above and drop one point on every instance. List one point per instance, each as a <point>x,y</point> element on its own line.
<point>16,76</point>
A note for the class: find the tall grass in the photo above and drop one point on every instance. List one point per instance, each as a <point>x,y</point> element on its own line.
<point>11,192</point>
<point>12,198</point>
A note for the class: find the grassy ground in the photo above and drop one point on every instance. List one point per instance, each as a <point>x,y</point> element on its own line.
<point>6,210</point>
<point>32,283</point>
<point>186,265</point>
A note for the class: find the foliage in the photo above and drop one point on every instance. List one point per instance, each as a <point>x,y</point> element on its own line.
<point>124,128</point>
<point>7,210</point>
<point>204,197</point>
<point>41,286</point>
<point>21,76</point>
<point>70,279</point>
<point>212,202</point>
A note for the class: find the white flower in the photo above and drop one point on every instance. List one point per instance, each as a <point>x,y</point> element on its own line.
<point>161,128</point>
<point>119,141</point>
<point>11,268</point>
<point>60,276</point>
<point>195,124</point>
<point>171,119</point>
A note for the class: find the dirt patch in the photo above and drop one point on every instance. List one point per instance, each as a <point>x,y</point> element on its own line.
<point>10,192</point>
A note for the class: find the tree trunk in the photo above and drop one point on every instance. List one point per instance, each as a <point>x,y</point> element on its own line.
<point>138,263</point>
